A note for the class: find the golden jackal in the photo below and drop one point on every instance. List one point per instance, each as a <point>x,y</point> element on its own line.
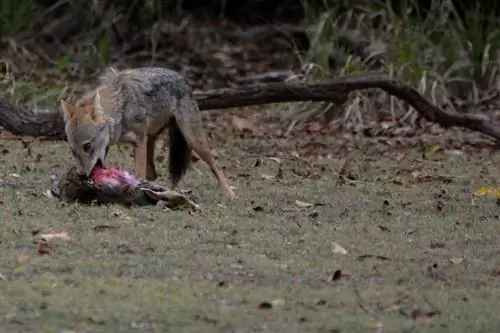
<point>136,106</point>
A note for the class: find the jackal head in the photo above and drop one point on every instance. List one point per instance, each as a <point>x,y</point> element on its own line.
<point>87,132</point>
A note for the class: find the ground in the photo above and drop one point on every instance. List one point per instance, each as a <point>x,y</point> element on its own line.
<point>362,240</point>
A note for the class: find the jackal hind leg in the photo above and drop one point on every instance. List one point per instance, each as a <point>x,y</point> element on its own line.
<point>203,151</point>
<point>151,173</point>
<point>141,157</point>
<point>197,141</point>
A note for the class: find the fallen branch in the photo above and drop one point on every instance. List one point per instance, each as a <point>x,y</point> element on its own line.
<point>48,124</point>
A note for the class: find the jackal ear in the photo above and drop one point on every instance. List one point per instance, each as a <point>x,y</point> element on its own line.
<point>98,112</point>
<point>68,110</point>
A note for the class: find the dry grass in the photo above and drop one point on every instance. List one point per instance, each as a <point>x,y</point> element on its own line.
<point>451,59</point>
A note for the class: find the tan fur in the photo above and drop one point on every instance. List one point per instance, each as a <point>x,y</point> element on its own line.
<point>137,106</point>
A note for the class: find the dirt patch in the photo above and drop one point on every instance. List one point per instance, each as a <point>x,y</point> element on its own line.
<point>363,240</point>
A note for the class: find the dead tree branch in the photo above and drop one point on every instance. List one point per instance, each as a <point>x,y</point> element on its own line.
<point>48,124</point>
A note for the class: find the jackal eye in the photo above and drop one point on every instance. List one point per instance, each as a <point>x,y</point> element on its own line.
<point>87,147</point>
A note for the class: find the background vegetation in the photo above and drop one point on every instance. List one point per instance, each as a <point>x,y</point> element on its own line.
<point>448,49</point>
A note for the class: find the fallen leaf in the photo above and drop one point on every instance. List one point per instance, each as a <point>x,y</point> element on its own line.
<point>437,245</point>
<point>399,157</point>
<point>455,152</point>
<point>243,123</point>
<point>265,305</point>
<point>42,247</point>
<point>338,249</point>
<point>419,177</point>
<point>303,204</point>
<point>278,302</point>
<point>375,327</point>
<point>279,175</point>
<point>61,235</point>
<point>456,260</point>
<point>103,227</point>
<point>384,228</point>
<point>482,191</point>
<point>386,118</point>
<point>267,177</point>
<point>419,313</point>
<point>121,215</point>
<point>366,256</point>
<point>275,159</point>
<point>440,205</point>
<point>313,127</point>
<point>21,258</point>
<point>339,274</point>
<point>432,150</point>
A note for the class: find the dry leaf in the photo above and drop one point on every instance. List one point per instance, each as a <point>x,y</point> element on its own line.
<point>313,127</point>
<point>21,258</point>
<point>339,274</point>
<point>103,227</point>
<point>303,204</point>
<point>456,260</point>
<point>338,249</point>
<point>482,191</point>
<point>275,159</point>
<point>121,215</point>
<point>375,327</point>
<point>418,176</point>
<point>243,123</point>
<point>415,314</point>
<point>455,152</point>
<point>267,177</point>
<point>432,150</point>
<point>61,235</point>
<point>265,305</point>
<point>399,157</point>
<point>278,302</point>
<point>42,247</point>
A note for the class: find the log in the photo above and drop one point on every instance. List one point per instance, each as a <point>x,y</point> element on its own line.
<point>70,188</point>
<point>48,124</point>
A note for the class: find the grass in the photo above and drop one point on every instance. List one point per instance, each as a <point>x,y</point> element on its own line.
<point>444,55</point>
<point>264,262</point>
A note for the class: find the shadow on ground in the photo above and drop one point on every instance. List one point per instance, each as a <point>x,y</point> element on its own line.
<point>372,243</point>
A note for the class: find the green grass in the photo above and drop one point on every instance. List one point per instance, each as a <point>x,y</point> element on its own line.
<point>443,55</point>
<point>170,271</point>
<point>14,15</point>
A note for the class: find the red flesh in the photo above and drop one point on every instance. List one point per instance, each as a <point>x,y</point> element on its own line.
<point>113,177</point>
